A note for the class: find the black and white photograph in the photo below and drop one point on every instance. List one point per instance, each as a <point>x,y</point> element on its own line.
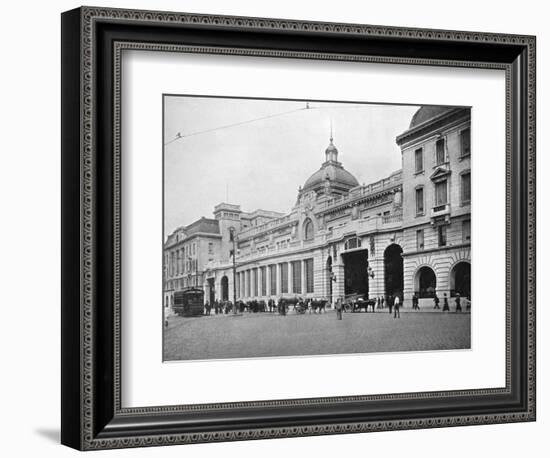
<point>314,227</point>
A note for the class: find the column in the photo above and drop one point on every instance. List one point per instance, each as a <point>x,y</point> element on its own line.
<point>304,279</point>
<point>242,284</point>
<point>338,285</point>
<point>255,282</point>
<point>278,282</point>
<point>268,281</point>
<point>289,272</point>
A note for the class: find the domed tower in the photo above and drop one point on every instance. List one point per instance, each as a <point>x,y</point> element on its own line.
<point>332,178</point>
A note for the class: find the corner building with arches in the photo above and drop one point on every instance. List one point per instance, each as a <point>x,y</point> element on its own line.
<point>406,233</point>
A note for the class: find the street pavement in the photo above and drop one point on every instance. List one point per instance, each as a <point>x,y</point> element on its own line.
<point>251,335</point>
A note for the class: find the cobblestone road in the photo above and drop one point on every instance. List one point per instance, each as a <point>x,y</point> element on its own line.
<point>265,334</point>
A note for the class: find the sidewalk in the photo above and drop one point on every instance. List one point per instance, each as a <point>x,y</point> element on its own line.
<point>422,310</point>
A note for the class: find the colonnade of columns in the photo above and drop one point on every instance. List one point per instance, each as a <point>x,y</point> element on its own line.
<point>275,280</point>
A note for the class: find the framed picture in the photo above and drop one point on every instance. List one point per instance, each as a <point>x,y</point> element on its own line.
<point>276,228</point>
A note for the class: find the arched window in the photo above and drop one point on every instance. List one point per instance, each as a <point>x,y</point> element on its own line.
<point>308,229</point>
<point>354,242</point>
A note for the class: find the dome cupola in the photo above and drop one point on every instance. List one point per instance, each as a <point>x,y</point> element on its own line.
<point>332,177</point>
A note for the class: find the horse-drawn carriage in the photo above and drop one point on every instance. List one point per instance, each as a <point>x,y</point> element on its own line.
<point>300,305</point>
<point>357,302</point>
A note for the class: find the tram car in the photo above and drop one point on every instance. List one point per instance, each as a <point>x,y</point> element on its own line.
<point>189,302</point>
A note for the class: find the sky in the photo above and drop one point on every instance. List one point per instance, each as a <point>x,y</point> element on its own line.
<point>257,152</point>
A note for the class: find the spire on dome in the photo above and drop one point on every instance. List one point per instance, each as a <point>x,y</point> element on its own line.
<point>331,153</point>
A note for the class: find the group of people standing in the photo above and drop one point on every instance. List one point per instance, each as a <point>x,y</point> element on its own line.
<point>446,308</point>
<point>220,307</point>
<point>394,304</point>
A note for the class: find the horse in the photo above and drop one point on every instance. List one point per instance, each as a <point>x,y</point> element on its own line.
<point>317,304</point>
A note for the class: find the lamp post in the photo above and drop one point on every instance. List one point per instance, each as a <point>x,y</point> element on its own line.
<point>233,253</point>
<point>332,280</point>
<point>370,273</point>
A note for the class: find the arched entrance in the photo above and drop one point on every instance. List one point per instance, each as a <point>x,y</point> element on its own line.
<point>425,282</point>
<point>393,270</point>
<point>356,263</point>
<point>460,279</point>
<point>329,278</point>
<point>225,288</point>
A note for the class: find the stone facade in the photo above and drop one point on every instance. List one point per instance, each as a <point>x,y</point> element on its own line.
<point>342,238</point>
<point>436,158</point>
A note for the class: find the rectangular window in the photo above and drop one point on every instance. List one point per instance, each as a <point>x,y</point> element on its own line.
<point>173,263</point>
<point>440,151</point>
<point>263,281</point>
<point>420,201</point>
<point>273,279</point>
<point>466,237</point>
<point>441,193</point>
<point>309,275</point>
<point>442,235</point>
<point>210,248</point>
<point>284,277</point>
<point>418,161</point>
<point>465,142</point>
<point>465,187</point>
<point>420,239</point>
<point>297,277</point>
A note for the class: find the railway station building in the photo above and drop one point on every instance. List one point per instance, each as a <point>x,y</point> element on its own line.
<point>408,232</point>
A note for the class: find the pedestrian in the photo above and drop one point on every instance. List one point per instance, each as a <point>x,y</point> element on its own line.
<point>338,309</point>
<point>415,302</point>
<point>445,303</point>
<point>382,301</point>
<point>396,306</point>
<point>436,301</point>
<point>390,304</point>
<point>457,302</point>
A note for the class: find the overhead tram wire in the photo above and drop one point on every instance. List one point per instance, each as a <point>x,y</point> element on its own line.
<point>179,136</point>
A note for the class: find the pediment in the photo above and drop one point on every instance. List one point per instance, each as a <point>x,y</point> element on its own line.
<point>439,174</point>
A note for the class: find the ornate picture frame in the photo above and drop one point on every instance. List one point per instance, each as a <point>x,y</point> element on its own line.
<point>92,413</point>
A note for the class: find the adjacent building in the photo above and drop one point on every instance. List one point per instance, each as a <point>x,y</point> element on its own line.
<point>406,233</point>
